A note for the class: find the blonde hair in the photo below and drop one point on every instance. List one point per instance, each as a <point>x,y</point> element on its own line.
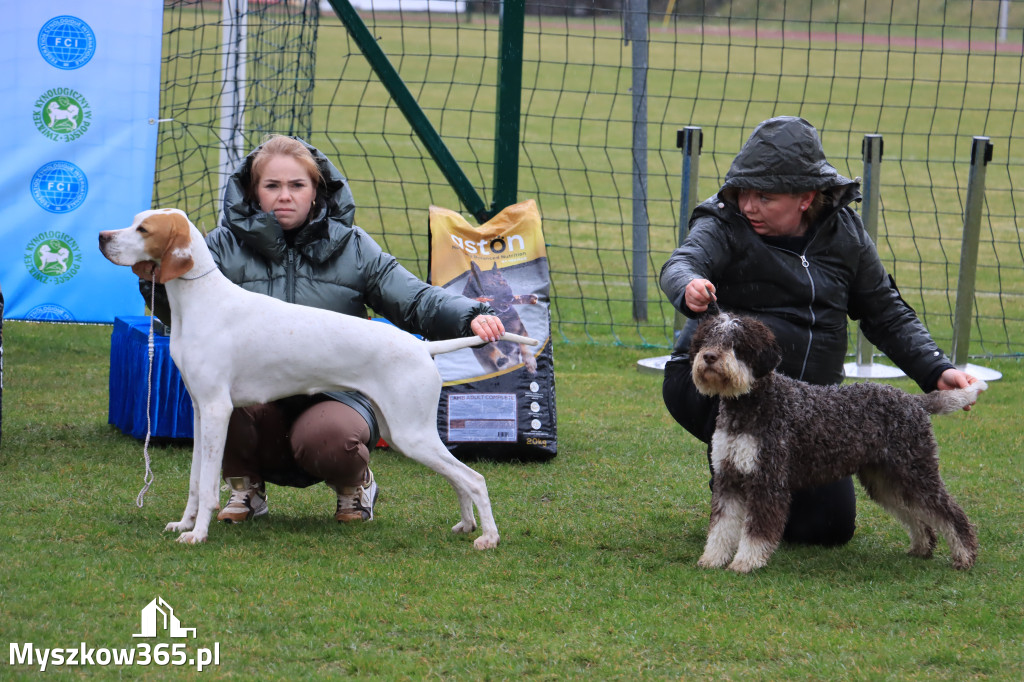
<point>282,145</point>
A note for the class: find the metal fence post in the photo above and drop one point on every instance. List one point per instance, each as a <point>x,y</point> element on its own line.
<point>690,140</point>
<point>871,150</point>
<point>981,154</point>
<point>1004,19</point>
<point>509,105</point>
<point>637,33</point>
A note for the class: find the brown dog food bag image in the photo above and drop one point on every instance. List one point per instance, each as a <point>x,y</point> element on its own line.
<point>498,400</point>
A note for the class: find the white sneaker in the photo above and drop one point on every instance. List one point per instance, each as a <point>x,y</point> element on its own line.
<point>248,500</point>
<point>355,503</point>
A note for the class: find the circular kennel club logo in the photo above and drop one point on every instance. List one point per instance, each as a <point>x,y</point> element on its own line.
<point>50,312</point>
<point>52,257</point>
<point>66,42</point>
<point>59,187</point>
<point>62,114</point>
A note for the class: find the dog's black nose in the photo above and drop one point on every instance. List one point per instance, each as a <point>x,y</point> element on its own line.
<point>710,357</point>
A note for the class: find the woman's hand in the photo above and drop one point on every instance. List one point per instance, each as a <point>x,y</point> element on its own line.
<point>955,378</point>
<point>487,327</point>
<point>697,296</point>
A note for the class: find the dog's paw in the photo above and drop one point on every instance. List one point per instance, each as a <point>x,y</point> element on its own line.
<point>921,552</point>
<point>179,526</point>
<point>923,543</point>
<point>709,561</point>
<point>486,541</point>
<point>744,565</point>
<point>191,538</point>
<point>964,561</point>
<point>464,527</point>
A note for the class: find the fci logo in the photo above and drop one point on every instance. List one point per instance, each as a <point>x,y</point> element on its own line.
<point>66,42</point>
<point>59,187</point>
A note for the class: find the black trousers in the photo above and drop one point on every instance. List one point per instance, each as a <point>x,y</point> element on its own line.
<point>824,515</point>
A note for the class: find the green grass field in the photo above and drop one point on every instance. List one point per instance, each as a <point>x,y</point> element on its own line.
<point>595,577</point>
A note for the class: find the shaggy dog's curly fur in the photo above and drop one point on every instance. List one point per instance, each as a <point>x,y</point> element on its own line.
<point>775,434</point>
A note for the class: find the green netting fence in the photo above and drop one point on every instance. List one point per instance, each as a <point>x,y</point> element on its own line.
<point>928,76</point>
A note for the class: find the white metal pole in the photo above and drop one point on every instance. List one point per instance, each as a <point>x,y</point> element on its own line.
<point>232,99</point>
<point>1004,19</point>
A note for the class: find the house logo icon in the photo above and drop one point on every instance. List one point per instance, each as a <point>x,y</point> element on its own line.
<point>158,615</point>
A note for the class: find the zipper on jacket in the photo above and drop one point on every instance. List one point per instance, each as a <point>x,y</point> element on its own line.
<point>806,264</point>
<point>810,308</point>
<point>289,276</point>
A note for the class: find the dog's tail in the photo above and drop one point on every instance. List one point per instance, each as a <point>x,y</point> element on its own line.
<point>945,402</point>
<point>451,345</point>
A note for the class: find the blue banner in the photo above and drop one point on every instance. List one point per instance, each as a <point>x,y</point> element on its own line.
<point>79,102</point>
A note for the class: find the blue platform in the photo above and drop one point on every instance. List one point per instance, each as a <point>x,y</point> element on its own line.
<point>170,404</point>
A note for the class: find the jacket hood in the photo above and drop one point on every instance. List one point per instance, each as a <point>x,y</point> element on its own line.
<point>330,219</point>
<point>785,155</point>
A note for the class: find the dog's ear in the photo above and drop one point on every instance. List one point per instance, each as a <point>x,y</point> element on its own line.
<point>697,342</point>
<point>176,258</point>
<point>765,353</point>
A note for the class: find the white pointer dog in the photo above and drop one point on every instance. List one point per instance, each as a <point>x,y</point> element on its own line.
<point>235,348</point>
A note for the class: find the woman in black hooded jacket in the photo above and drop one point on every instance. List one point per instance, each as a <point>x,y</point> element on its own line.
<point>780,242</point>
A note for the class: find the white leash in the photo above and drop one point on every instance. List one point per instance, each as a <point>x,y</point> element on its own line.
<point>148,478</point>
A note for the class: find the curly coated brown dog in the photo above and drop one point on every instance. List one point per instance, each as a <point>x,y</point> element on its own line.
<point>775,434</point>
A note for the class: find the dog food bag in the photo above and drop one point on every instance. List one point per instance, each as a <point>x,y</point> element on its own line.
<point>498,400</point>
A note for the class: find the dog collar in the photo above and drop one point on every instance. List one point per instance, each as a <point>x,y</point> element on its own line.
<point>189,279</point>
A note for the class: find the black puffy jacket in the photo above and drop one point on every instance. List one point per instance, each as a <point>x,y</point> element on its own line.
<point>804,296</point>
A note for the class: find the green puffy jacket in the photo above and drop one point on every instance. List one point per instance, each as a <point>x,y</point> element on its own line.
<point>804,295</point>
